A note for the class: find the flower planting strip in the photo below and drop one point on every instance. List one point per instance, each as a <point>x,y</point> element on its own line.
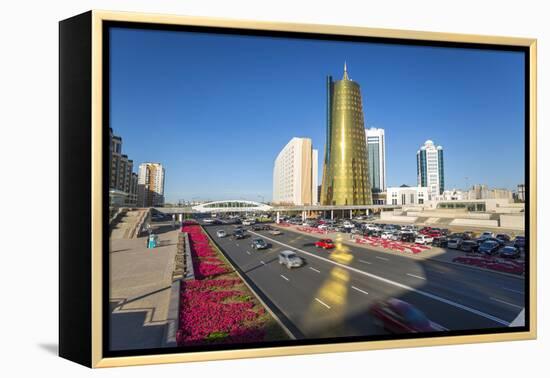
<point>289,328</point>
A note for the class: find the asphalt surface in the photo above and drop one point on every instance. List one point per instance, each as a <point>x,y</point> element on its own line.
<point>331,294</point>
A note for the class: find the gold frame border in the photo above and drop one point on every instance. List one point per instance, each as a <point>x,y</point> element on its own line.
<point>99,16</point>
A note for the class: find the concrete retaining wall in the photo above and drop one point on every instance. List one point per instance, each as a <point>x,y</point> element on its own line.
<point>444,214</point>
<point>474,222</point>
<point>388,216</point>
<point>514,222</point>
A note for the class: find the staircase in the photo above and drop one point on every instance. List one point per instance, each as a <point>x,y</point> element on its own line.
<point>129,224</point>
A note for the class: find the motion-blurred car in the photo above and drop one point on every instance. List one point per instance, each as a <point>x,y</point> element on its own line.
<point>325,244</point>
<point>503,237</point>
<point>510,252</point>
<point>221,234</point>
<point>239,234</point>
<point>486,235</point>
<point>275,232</point>
<point>259,244</point>
<point>408,237</point>
<point>290,259</point>
<point>398,316</point>
<point>440,241</point>
<point>489,247</point>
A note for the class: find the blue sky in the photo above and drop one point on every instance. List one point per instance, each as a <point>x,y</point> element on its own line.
<point>216,110</point>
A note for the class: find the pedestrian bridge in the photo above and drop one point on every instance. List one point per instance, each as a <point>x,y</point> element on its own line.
<point>231,207</point>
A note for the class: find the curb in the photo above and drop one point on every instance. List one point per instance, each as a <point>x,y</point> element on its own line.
<point>172,318</point>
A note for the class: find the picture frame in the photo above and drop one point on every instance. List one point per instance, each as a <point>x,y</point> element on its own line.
<point>84,258</point>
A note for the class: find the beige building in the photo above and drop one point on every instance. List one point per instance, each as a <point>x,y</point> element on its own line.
<point>295,172</point>
<point>150,185</point>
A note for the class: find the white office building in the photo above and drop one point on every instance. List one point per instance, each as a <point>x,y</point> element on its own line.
<point>430,168</point>
<point>295,174</point>
<point>376,152</point>
<point>408,195</point>
<point>151,185</point>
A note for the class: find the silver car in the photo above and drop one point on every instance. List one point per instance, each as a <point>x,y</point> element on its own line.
<point>221,234</point>
<point>290,259</point>
<point>454,243</point>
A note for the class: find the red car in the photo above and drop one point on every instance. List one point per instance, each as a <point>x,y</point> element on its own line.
<point>433,234</point>
<point>398,316</point>
<point>325,243</point>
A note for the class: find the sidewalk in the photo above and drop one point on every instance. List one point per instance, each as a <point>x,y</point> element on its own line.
<point>433,253</point>
<point>139,284</point>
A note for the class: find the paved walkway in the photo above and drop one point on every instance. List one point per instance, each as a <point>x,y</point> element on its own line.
<point>140,282</point>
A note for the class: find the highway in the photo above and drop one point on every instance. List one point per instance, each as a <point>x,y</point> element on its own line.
<point>331,294</point>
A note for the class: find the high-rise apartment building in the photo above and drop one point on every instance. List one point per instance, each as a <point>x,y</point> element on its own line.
<point>376,149</point>
<point>123,190</point>
<point>151,185</point>
<point>430,168</point>
<point>295,174</point>
<point>521,192</point>
<point>345,168</point>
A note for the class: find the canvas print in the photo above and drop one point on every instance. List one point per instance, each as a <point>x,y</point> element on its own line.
<point>270,190</point>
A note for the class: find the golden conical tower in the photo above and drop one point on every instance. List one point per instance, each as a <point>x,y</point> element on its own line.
<point>345,168</point>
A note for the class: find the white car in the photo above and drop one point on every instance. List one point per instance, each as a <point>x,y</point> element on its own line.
<point>323,226</point>
<point>208,221</point>
<point>248,222</point>
<point>423,239</point>
<point>221,234</point>
<point>386,235</point>
<point>372,227</point>
<point>348,224</point>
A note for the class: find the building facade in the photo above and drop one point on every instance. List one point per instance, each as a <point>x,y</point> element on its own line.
<point>345,167</point>
<point>482,192</point>
<point>150,185</point>
<point>122,188</point>
<point>295,176</point>
<point>430,168</point>
<point>376,149</point>
<point>521,192</point>
<point>408,195</point>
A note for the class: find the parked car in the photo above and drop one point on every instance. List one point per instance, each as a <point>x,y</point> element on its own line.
<point>387,235</point>
<point>221,234</point>
<point>440,241</point>
<point>468,235</point>
<point>323,226</point>
<point>454,243</point>
<point>486,235</point>
<point>325,244</point>
<point>408,237</point>
<point>510,252</point>
<point>519,242</point>
<point>259,244</point>
<point>504,237</point>
<point>398,316</point>
<point>469,246</point>
<point>275,232</point>
<point>489,247</point>
<point>248,222</point>
<point>423,239</point>
<point>290,259</point>
<point>208,221</point>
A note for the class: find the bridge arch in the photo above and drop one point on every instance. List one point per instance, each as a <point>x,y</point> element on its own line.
<point>231,206</point>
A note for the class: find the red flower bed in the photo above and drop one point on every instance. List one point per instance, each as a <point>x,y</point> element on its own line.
<point>214,310</point>
<point>492,263</point>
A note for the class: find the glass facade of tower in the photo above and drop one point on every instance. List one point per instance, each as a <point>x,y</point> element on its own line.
<point>345,168</point>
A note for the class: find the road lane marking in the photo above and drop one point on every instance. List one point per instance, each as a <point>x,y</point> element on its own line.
<point>508,303</point>
<point>364,262</point>
<point>262,261</point>
<point>397,284</point>
<point>284,277</point>
<point>359,290</point>
<point>415,276</point>
<point>381,258</point>
<point>248,252</point>
<point>315,270</point>
<point>321,302</point>
<point>514,291</point>
<point>237,244</point>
